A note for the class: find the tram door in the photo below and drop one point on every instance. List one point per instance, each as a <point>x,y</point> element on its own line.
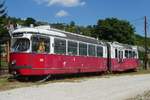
<point>119,62</point>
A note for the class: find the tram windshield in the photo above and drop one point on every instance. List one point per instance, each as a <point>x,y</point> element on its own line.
<point>20,44</point>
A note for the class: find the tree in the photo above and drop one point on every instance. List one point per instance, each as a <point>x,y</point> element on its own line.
<point>72,24</point>
<point>3,20</point>
<point>72,27</point>
<point>60,26</point>
<point>113,29</point>
<point>30,21</point>
<point>3,12</point>
<point>86,30</point>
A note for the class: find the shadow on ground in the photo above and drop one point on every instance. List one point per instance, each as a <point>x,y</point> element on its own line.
<point>60,77</point>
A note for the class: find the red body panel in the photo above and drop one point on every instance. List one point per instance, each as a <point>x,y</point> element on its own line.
<point>124,64</point>
<point>42,64</point>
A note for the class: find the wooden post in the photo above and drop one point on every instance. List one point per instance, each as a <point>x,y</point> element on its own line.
<point>145,56</point>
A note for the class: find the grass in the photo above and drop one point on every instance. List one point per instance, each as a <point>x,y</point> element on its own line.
<point>6,84</point>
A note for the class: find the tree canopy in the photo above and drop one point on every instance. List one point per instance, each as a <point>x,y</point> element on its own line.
<point>30,21</point>
<point>3,12</point>
<point>3,20</point>
<point>113,29</point>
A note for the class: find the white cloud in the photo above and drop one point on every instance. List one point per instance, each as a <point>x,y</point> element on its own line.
<point>61,13</point>
<point>65,3</point>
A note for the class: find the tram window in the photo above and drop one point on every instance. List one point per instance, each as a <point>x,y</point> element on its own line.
<point>40,44</point>
<point>130,54</point>
<point>134,54</point>
<point>82,49</point>
<point>21,44</point>
<point>120,54</point>
<point>91,50</point>
<point>126,53</point>
<point>116,53</point>
<point>99,51</point>
<point>59,46</point>
<point>72,48</point>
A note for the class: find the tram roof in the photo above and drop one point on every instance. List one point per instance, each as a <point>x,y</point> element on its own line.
<point>38,31</point>
<point>47,30</point>
<point>127,46</point>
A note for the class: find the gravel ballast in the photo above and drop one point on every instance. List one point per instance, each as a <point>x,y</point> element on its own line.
<point>109,88</point>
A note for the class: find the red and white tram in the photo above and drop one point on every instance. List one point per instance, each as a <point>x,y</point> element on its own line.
<point>43,50</point>
<point>122,57</point>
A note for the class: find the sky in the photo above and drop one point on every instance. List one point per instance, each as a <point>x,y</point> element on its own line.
<point>82,12</point>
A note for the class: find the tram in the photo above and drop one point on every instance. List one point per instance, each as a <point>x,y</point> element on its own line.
<point>44,50</point>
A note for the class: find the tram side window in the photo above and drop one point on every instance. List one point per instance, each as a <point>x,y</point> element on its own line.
<point>99,51</point>
<point>59,46</point>
<point>83,49</point>
<point>91,50</point>
<point>40,44</point>
<point>72,48</point>
<point>120,54</point>
<point>134,54</point>
<point>126,53</point>
<point>116,53</point>
<point>130,54</point>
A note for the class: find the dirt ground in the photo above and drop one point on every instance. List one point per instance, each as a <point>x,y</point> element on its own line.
<point>92,88</point>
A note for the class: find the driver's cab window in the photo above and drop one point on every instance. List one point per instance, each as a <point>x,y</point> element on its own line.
<point>40,44</point>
